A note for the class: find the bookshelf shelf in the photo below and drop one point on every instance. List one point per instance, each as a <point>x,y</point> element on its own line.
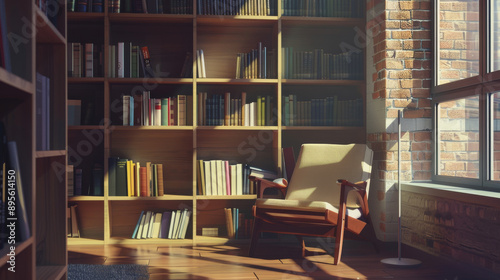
<point>153,198</point>
<point>50,271</point>
<point>48,154</point>
<point>96,80</point>
<point>226,197</point>
<point>145,128</point>
<point>237,128</point>
<point>128,241</point>
<point>85,198</point>
<point>20,247</point>
<point>149,18</point>
<point>226,40</point>
<point>13,86</point>
<point>158,81</point>
<point>235,81</point>
<point>85,241</point>
<point>46,32</point>
<point>85,17</point>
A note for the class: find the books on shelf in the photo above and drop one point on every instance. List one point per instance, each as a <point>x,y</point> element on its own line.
<point>42,112</point>
<point>320,65</point>
<point>4,41</point>
<point>220,177</point>
<point>85,60</point>
<point>129,178</point>
<point>256,64</point>
<point>238,7</point>
<point>238,224</point>
<point>86,6</point>
<point>142,110</point>
<point>169,224</point>
<point>329,111</point>
<point>235,110</point>
<point>323,8</point>
<point>72,217</point>
<point>151,6</point>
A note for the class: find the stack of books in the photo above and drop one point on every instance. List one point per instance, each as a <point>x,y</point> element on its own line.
<point>171,224</point>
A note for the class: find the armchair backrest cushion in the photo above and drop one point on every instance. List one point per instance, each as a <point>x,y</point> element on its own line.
<point>319,166</point>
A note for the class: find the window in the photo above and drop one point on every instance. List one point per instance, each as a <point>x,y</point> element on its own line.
<point>466,93</point>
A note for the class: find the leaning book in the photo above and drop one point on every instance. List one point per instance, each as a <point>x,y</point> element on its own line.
<point>17,187</point>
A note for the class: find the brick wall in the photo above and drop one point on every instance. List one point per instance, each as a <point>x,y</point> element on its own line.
<point>400,50</point>
<point>459,230</point>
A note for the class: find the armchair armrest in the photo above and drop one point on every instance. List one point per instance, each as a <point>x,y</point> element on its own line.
<point>359,189</point>
<point>263,184</point>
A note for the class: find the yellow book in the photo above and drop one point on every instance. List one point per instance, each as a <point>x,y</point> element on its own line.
<point>129,181</point>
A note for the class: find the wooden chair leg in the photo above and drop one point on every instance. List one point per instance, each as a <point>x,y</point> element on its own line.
<point>302,244</point>
<point>339,235</point>
<point>255,237</point>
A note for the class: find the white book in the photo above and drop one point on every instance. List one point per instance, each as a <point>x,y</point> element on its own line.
<point>176,224</point>
<point>182,220</point>
<point>172,223</point>
<point>145,229</point>
<point>120,60</point>
<point>157,112</point>
<point>232,167</point>
<point>239,179</point>
<point>151,223</point>
<point>89,60</point>
<point>247,115</point>
<point>220,177</point>
<point>203,69</point>
<point>156,225</point>
<point>208,179</point>
<point>253,114</point>
<point>213,177</point>
<point>186,224</point>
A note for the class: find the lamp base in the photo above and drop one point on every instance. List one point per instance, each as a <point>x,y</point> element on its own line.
<point>401,262</point>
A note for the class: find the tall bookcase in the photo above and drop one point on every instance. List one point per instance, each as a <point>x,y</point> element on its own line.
<point>36,44</point>
<point>288,36</point>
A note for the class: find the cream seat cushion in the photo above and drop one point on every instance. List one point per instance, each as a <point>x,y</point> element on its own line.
<point>304,205</point>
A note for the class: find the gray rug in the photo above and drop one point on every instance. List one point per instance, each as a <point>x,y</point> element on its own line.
<point>107,272</point>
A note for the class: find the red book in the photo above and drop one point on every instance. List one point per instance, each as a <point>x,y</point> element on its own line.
<point>160,179</point>
<point>146,62</point>
<point>143,180</point>
<point>228,177</point>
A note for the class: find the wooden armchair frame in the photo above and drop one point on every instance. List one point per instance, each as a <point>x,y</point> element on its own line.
<point>326,223</point>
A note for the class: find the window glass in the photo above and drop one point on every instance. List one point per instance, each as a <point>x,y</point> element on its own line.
<point>458,136</point>
<point>495,165</point>
<point>458,40</point>
<point>495,35</point>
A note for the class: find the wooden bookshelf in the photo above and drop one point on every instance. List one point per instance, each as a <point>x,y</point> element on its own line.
<point>169,37</point>
<point>42,172</point>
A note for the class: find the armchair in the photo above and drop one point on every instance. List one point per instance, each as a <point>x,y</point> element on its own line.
<point>327,196</point>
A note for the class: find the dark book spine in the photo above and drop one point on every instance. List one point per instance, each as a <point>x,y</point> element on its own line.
<point>112,161</point>
<point>81,5</point>
<point>98,180</point>
<point>121,177</point>
<point>97,6</point>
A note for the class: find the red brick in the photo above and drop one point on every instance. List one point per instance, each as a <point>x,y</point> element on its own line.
<point>422,136</point>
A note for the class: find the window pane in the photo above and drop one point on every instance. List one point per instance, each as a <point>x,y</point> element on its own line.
<point>459,40</point>
<point>458,136</point>
<point>495,35</point>
<point>495,174</point>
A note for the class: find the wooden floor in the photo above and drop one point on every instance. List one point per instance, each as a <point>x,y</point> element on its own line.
<point>274,261</point>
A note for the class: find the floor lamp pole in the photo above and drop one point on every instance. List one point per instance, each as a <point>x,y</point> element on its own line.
<point>399,261</point>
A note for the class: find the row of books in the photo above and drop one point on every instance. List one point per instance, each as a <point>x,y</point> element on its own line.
<point>50,9</point>
<point>81,112</point>
<point>237,224</point>
<point>129,61</point>
<point>85,182</point>
<point>219,177</point>
<point>151,6</point>
<point>42,112</point>
<point>318,64</point>
<point>237,7</point>
<point>322,112</point>
<point>324,8</point>
<point>129,178</point>
<point>222,109</point>
<point>256,64</point>
<point>91,6</point>
<point>142,110</point>
<point>85,60</point>
<point>171,224</point>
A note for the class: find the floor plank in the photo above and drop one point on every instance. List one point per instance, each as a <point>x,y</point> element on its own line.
<point>273,261</point>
